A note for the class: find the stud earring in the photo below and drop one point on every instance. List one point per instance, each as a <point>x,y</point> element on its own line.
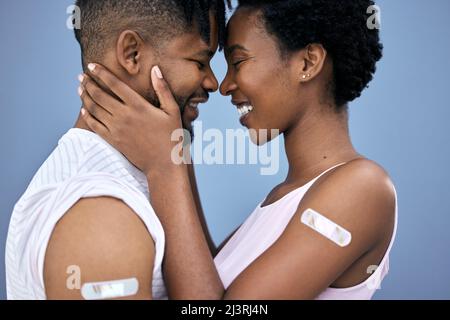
<point>306,76</point>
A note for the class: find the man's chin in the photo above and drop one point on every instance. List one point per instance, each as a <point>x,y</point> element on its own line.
<point>190,114</point>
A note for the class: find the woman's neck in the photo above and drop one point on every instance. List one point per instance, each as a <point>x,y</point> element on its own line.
<point>318,141</point>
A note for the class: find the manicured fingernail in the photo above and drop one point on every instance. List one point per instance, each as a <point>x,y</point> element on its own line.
<point>83,112</point>
<point>158,72</point>
<point>91,67</point>
<point>80,91</point>
<point>81,78</point>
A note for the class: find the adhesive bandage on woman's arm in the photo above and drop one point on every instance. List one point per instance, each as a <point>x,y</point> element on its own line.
<point>326,227</point>
<point>110,289</point>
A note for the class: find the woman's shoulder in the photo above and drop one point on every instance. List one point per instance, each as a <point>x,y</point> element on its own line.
<point>360,190</point>
<point>360,175</point>
<point>368,167</point>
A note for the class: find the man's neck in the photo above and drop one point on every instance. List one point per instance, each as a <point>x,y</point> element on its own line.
<point>81,124</point>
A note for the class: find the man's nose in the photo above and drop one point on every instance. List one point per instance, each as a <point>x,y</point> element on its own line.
<point>210,83</point>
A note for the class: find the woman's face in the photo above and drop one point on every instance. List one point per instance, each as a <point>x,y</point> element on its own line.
<point>259,81</point>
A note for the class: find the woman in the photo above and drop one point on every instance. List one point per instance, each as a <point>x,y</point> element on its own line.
<point>292,66</point>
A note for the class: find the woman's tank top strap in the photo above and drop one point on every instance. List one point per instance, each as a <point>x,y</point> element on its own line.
<point>311,182</point>
<point>298,192</point>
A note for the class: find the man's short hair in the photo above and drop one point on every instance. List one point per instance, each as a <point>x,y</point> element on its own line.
<point>155,20</point>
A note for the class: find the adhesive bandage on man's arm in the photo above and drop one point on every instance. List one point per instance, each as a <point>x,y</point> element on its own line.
<point>110,289</point>
<point>326,227</point>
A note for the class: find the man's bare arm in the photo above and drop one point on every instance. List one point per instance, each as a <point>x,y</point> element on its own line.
<point>106,240</point>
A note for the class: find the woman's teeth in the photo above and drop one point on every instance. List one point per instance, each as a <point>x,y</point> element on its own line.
<point>245,109</point>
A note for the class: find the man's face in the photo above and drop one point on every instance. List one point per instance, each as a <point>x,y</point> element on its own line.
<point>185,63</point>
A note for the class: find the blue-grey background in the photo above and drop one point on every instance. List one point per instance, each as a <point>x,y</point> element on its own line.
<point>401,122</point>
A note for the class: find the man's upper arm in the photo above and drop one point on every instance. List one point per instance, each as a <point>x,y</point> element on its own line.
<point>104,240</point>
<point>302,262</point>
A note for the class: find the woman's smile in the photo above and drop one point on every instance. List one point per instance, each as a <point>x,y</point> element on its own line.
<point>244,109</point>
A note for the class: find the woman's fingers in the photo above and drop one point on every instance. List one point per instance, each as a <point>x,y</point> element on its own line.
<point>95,125</point>
<point>102,98</point>
<point>166,99</point>
<point>95,110</point>
<point>118,87</point>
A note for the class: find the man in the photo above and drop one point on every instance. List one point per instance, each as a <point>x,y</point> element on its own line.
<point>84,227</point>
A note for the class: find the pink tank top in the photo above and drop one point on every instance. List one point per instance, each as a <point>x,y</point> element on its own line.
<point>266,224</point>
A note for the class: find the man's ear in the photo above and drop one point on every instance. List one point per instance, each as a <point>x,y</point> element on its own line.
<point>129,51</point>
<point>310,61</point>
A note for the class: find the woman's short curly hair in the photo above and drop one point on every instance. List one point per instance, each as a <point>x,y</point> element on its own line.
<point>339,25</point>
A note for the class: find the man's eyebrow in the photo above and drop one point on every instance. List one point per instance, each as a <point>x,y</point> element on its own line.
<point>231,49</point>
<point>205,53</point>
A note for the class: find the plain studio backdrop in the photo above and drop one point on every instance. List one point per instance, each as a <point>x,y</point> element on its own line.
<point>401,122</point>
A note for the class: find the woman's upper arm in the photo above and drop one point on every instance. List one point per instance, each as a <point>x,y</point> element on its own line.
<point>302,262</point>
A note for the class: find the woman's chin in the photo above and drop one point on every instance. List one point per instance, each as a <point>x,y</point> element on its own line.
<point>262,136</point>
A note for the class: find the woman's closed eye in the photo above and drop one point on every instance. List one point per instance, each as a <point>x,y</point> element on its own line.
<point>237,62</point>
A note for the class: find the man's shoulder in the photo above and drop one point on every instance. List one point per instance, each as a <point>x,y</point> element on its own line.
<point>80,162</point>
<point>81,152</point>
<point>97,155</point>
<point>84,146</point>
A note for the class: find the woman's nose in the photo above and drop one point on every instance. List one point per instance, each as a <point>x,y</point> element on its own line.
<point>227,86</point>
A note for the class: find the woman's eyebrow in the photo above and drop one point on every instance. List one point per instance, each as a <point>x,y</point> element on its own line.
<point>231,49</point>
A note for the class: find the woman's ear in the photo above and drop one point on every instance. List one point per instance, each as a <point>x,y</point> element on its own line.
<point>129,51</point>
<point>311,61</point>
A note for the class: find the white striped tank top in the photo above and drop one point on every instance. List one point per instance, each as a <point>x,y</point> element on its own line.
<point>83,165</point>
